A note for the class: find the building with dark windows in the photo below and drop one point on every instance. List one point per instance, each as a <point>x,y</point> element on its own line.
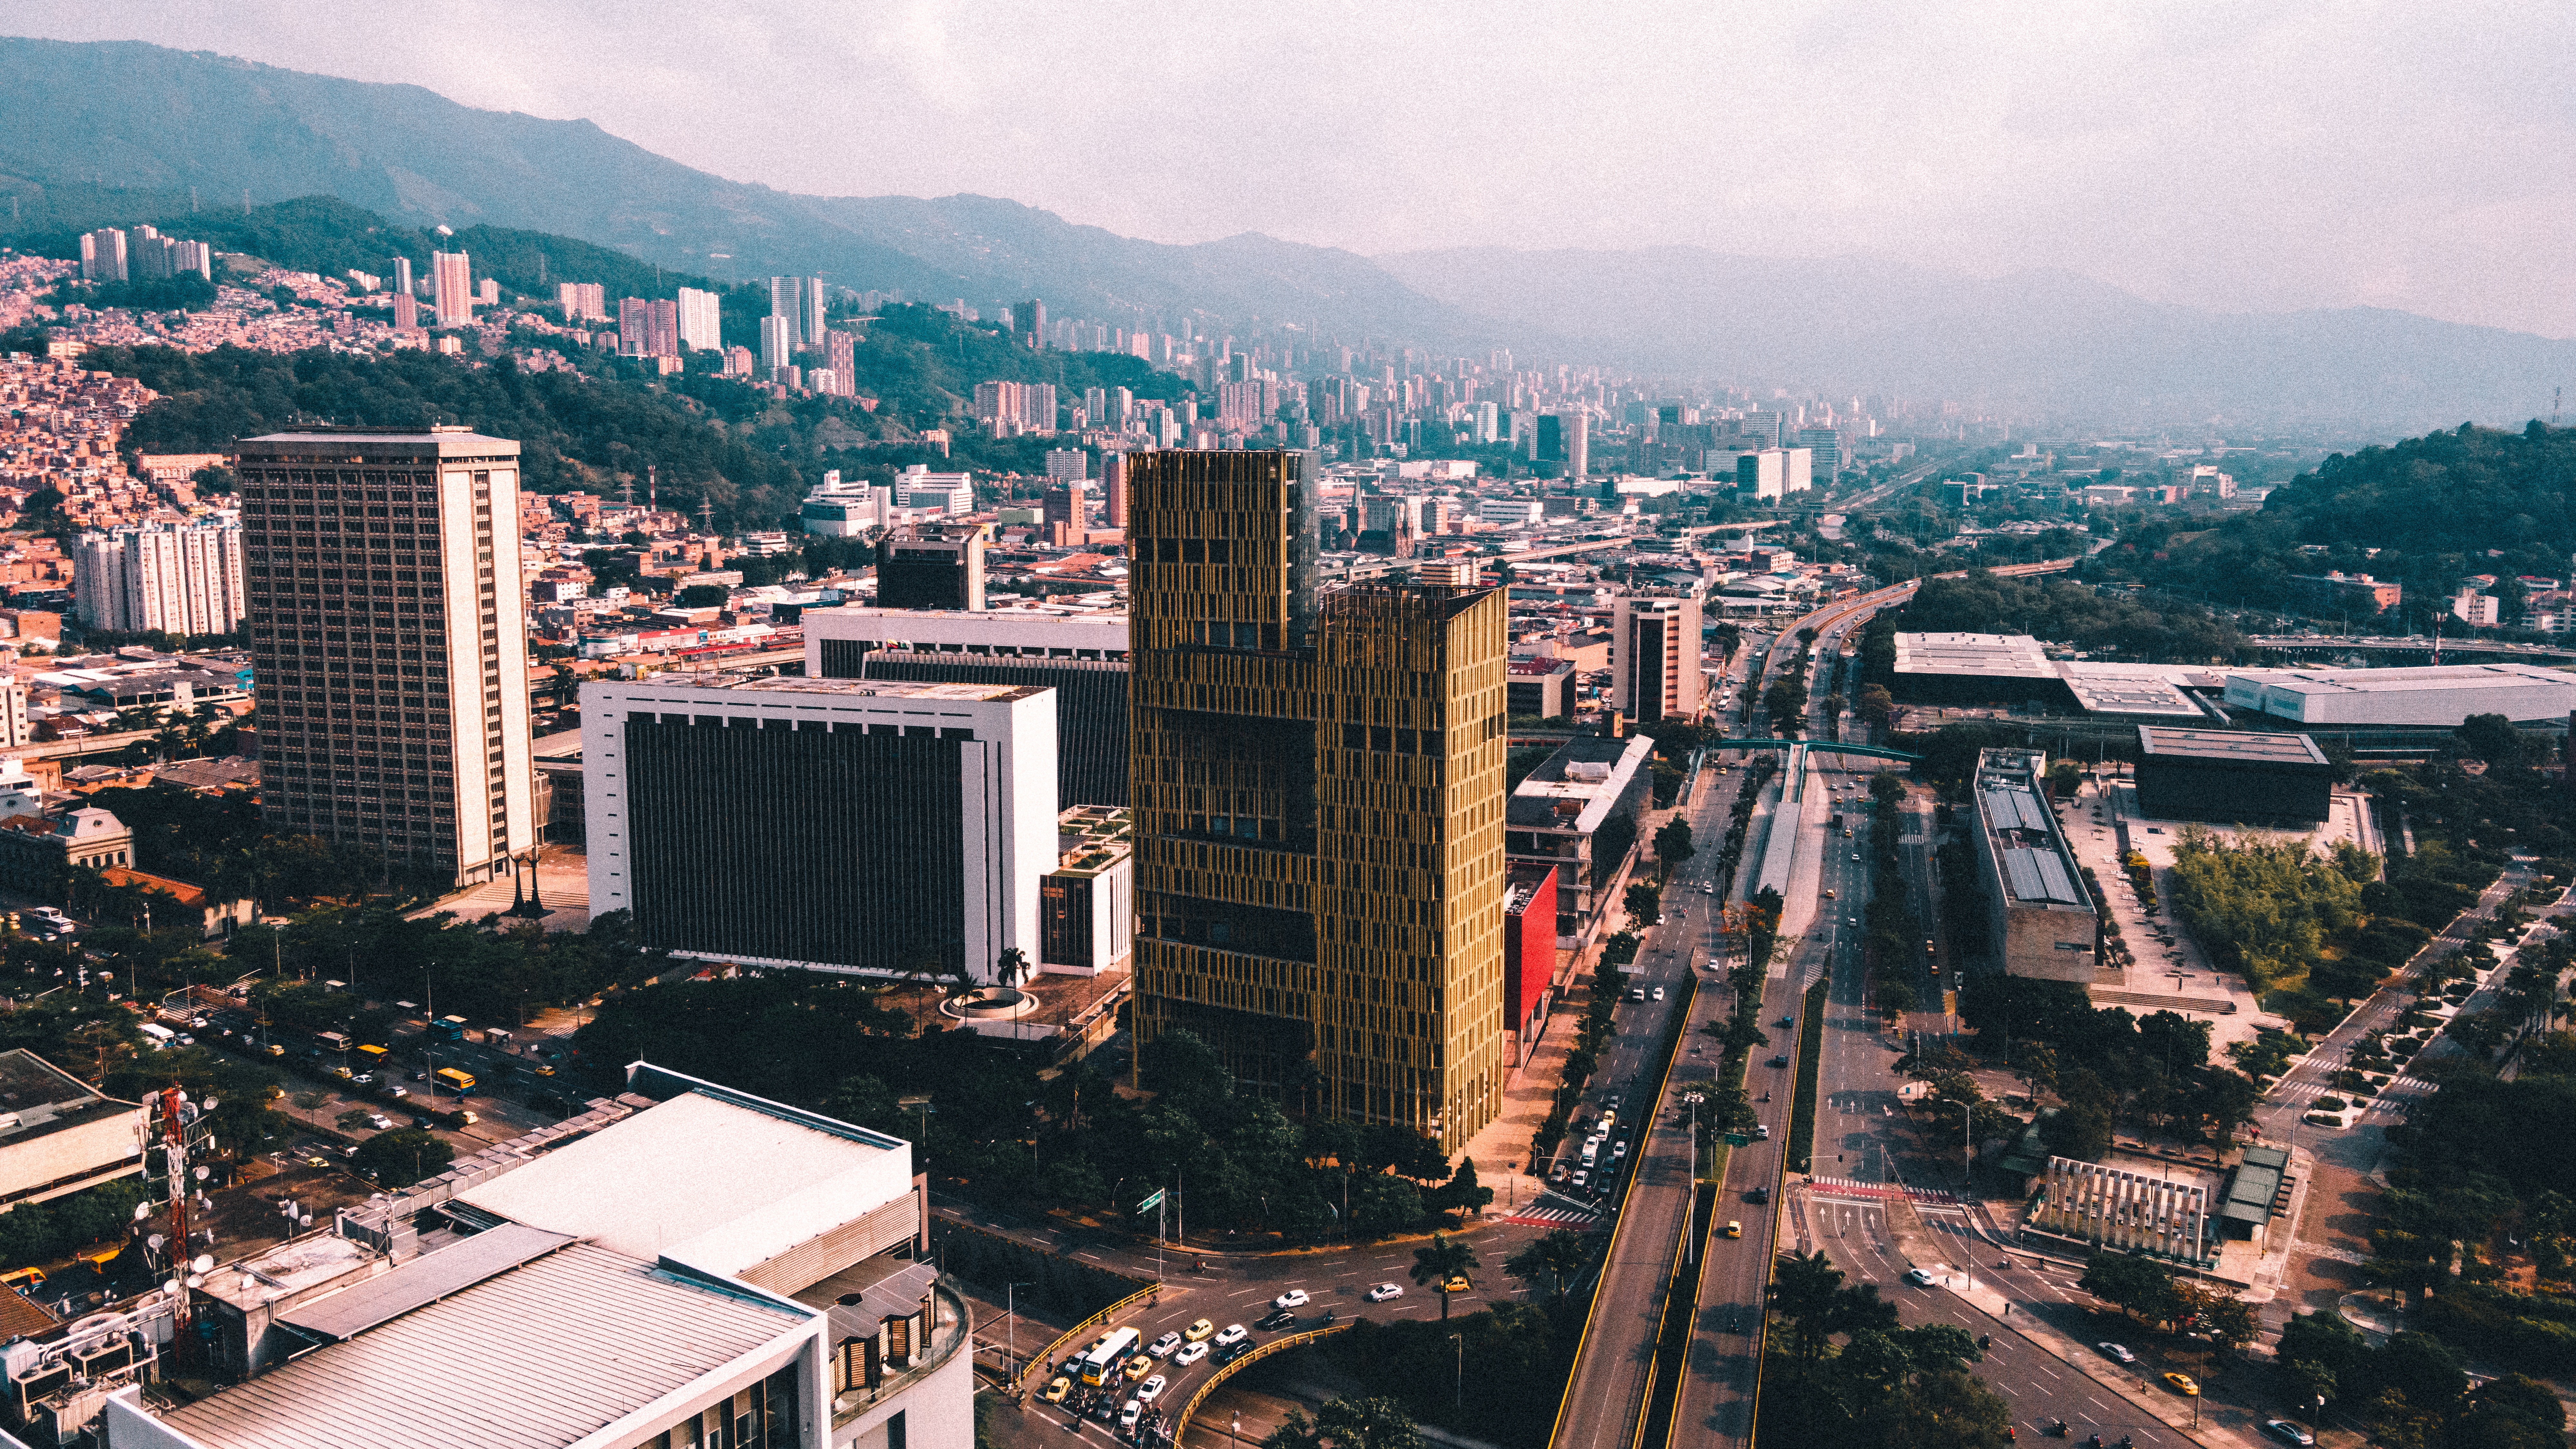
<point>2041,919</point>
<point>2232,777</point>
<point>1654,656</point>
<point>832,824</point>
<point>1082,657</point>
<point>1541,688</point>
<point>931,568</point>
<point>1578,812</point>
<point>1317,789</point>
<point>388,642</point>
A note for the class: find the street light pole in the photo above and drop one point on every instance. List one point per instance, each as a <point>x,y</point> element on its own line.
<point>1011,1325</point>
<point>1460,1339</point>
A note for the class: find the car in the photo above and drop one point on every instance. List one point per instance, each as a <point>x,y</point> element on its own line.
<point>1758,1195</point>
<point>1636,993</point>
<point>1582,1178</point>
<point>1734,1229</point>
<point>1139,1366</point>
<point>1198,1331</point>
<point>1233,1333</point>
<point>1275,1319</point>
<point>1190,1353</point>
<point>1855,855</point>
<point>1557,1174</point>
<point>1786,1021</point>
<point>1128,1416</point>
<point>1618,1149</point>
<point>1779,1061</point>
<point>1609,1118</point>
<point>380,1121</point>
<point>1761,1131</point>
<point>1293,1298</point>
<point>1163,1346</point>
<point>1056,1389</point>
<point>363,1079</point>
<point>1458,1283</point>
<point>2182,1384</point>
<point>2117,1353</point>
<point>2288,1433</point>
<point>1659,993</point>
<point>1151,1389</point>
<point>1921,1278</point>
<point>1385,1291</point>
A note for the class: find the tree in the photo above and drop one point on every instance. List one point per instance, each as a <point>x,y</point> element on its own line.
<point>1673,843</point>
<point>401,1157</point>
<point>1555,1258</point>
<point>1644,902</point>
<point>1804,1289</point>
<point>1446,1258</point>
<point>2492,738</point>
<point>2140,1286</point>
<point>1382,1203</point>
<point>2222,1318</point>
<point>1371,1423</point>
<point>1895,997</point>
<point>1461,1193</point>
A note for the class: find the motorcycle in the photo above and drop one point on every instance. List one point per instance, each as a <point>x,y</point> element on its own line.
<point>1985,1341</point>
<point>2057,1430</point>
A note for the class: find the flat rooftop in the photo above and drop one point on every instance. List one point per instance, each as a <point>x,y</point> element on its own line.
<point>36,1098</point>
<point>1574,788</point>
<point>2038,870</point>
<point>2230,746</point>
<point>541,1352</point>
<point>853,688</point>
<point>2411,681</point>
<point>1984,656</point>
<point>336,442</point>
<point>2138,690</point>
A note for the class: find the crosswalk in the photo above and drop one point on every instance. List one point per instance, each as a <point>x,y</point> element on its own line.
<point>1877,1191</point>
<point>1554,1215</point>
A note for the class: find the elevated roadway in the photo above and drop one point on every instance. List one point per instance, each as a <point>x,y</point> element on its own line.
<point>2407,644</point>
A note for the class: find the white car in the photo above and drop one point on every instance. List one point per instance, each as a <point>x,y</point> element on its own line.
<point>1163,1346</point>
<point>1150,1390</point>
<point>2116,1353</point>
<point>1385,1291</point>
<point>1232,1333</point>
<point>1920,1277</point>
<point>1128,1416</point>
<point>1293,1298</point>
<point>1190,1353</point>
<point>1659,993</point>
<point>380,1122</point>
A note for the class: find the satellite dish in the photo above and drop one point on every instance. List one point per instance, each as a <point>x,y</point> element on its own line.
<point>305,1221</point>
<point>154,1242</point>
<point>170,1287</point>
<point>196,1280</point>
<point>203,1262</point>
<point>142,1210</point>
<point>208,1104</point>
<point>201,1173</point>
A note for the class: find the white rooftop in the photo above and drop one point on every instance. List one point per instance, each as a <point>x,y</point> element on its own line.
<point>643,1187</point>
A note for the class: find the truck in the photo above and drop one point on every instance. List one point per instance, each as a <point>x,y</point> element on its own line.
<point>160,1036</point>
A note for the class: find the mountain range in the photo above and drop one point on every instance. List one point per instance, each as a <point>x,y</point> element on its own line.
<point>111,132</point>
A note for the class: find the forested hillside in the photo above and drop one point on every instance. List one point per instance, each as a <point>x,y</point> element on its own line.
<point>2423,512</point>
<point>2057,610</point>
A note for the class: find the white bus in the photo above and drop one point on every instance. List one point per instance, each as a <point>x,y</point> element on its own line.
<point>1100,1362</point>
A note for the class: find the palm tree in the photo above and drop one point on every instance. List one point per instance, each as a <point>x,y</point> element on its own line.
<point>1804,1289</point>
<point>1446,1259</point>
<point>1557,1257</point>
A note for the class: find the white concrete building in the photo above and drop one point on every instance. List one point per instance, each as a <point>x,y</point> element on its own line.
<point>180,578</point>
<point>874,828</point>
<point>2437,696</point>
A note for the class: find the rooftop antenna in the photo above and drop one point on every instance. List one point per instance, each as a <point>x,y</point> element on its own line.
<point>652,487</point>
<point>629,488</point>
<point>706,515</point>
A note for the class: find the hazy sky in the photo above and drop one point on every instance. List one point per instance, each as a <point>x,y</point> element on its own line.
<point>2241,156</point>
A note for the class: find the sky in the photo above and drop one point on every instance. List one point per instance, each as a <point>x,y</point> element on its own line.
<point>2238,157</point>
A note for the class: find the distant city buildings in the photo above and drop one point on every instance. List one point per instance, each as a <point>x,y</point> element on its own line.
<point>648,328</point>
<point>1013,408</point>
<point>701,320</point>
<point>932,568</point>
<point>583,301</point>
<point>179,578</point>
<point>112,254</point>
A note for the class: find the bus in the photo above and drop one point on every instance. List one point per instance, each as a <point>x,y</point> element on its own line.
<point>448,1028</point>
<point>1100,1362</point>
<point>374,1055</point>
<point>453,1080</point>
<point>332,1041</point>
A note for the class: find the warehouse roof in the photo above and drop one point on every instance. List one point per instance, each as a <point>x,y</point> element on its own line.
<point>2253,1186</point>
<point>540,1355</point>
<point>2229,746</point>
<point>2101,688</point>
<point>2004,656</point>
<point>639,1187</point>
<point>2395,681</point>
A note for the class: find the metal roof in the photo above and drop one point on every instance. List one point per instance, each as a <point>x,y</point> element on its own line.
<point>423,1281</point>
<point>2242,746</point>
<point>536,1358</point>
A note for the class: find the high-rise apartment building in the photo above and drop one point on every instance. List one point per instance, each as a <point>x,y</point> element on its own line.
<point>1317,788</point>
<point>1113,490</point>
<point>1655,656</point>
<point>451,280</point>
<point>648,327</point>
<point>800,301</point>
<point>402,277</point>
<point>406,312</point>
<point>777,343</point>
<point>1067,465</point>
<point>1028,320</point>
<point>1827,447</point>
<point>701,319</point>
<point>1564,438</point>
<point>1013,408</point>
<point>584,301</point>
<point>389,643</point>
<point>103,255</point>
<point>180,578</point>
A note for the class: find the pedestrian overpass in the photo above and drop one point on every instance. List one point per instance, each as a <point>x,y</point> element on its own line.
<point>1815,747</point>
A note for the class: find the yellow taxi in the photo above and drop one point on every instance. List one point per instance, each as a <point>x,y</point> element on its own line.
<point>1139,1366</point>
<point>1056,1389</point>
<point>1198,1331</point>
<point>1457,1284</point>
<point>2183,1385</point>
<point>1734,1229</point>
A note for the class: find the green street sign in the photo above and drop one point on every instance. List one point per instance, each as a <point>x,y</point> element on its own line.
<point>1738,1139</point>
<point>1151,1203</point>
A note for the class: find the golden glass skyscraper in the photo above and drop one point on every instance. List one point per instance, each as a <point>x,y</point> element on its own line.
<point>1317,785</point>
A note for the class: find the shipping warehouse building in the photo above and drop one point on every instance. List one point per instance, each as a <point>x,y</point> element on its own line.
<point>2438,696</point>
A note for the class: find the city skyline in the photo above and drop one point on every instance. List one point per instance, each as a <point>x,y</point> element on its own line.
<point>2251,162</point>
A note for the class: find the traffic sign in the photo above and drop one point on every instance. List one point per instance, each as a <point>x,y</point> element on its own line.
<point>1151,1203</point>
<point>1738,1139</point>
